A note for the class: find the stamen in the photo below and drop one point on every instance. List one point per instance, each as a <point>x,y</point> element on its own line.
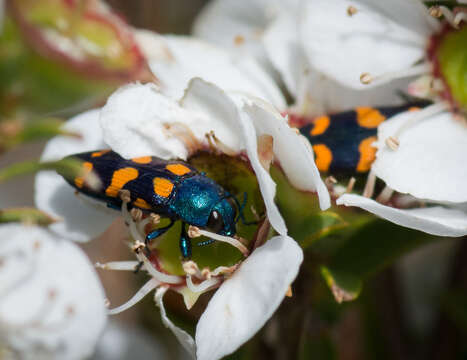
<point>393,141</point>
<point>184,134</point>
<point>183,337</point>
<point>223,270</point>
<point>330,181</point>
<point>458,18</point>
<point>203,286</point>
<point>160,276</point>
<point>191,268</point>
<point>219,145</point>
<point>118,265</point>
<point>440,10</point>
<point>350,185</point>
<point>154,219</point>
<point>140,294</point>
<point>289,291</point>
<point>370,185</point>
<point>420,69</point>
<point>193,232</point>
<point>351,10</point>
<point>385,195</point>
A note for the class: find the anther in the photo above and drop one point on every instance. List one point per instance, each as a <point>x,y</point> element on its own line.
<point>330,180</point>
<point>239,40</point>
<point>138,246</point>
<point>351,10</point>
<point>124,195</point>
<point>366,78</point>
<point>193,231</point>
<point>392,143</point>
<point>289,292</point>
<point>136,214</point>
<point>435,11</point>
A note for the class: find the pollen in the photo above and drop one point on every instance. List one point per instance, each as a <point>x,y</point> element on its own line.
<point>178,169</point>
<point>368,117</point>
<point>320,125</point>
<point>87,168</point>
<point>323,157</point>
<point>119,179</point>
<point>162,187</point>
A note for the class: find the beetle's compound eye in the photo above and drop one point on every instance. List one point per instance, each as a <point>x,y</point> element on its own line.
<point>215,222</point>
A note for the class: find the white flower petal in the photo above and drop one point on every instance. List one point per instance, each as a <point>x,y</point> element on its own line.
<point>430,161</point>
<point>294,153</point>
<point>435,220</point>
<point>244,302</point>
<point>80,221</point>
<point>217,105</point>
<point>282,46</point>
<point>194,58</point>
<point>395,33</point>
<point>51,299</point>
<point>182,336</point>
<point>239,25</point>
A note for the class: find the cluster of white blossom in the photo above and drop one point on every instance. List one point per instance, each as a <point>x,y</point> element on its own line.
<point>331,55</point>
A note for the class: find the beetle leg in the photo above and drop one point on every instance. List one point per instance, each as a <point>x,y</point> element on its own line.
<point>157,232</point>
<point>185,243</point>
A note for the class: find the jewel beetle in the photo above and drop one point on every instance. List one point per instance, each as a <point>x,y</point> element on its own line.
<point>343,142</point>
<point>171,189</point>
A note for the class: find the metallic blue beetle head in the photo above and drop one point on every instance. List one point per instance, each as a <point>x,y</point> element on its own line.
<point>201,202</point>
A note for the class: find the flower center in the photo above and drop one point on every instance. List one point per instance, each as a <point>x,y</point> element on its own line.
<point>448,53</point>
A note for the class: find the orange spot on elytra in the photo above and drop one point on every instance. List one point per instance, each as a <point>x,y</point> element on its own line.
<point>320,123</point>
<point>99,153</point>
<point>141,204</point>
<point>178,169</point>
<point>369,117</point>
<point>119,178</point>
<point>142,160</point>
<point>162,187</point>
<point>87,168</point>
<point>367,154</point>
<point>323,157</point>
<point>414,108</point>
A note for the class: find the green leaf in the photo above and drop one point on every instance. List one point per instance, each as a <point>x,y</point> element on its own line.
<point>368,250</point>
<point>26,215</point>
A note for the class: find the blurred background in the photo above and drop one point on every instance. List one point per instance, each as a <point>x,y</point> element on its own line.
<point>416,308</point>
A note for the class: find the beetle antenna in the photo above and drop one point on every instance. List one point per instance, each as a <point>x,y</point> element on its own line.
<point>240,210</point>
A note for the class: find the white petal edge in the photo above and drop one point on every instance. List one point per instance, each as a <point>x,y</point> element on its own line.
<point>133,124</point>
<point>51,302</point>
<point>243,303</point>
<point>436,220</point>
<point>182,336</point>
<point>81,218</point>
<point>338,44</point>
<point>216,104</point>
<point>430,161</point>
<point>195,58</point>
<point>294,153</point>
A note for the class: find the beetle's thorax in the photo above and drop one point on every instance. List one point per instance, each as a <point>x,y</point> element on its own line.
<point>195,199</point>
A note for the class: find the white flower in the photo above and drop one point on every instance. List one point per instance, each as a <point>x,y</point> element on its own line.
<point>361,48</point>
<point>277,32</point>
<point>51,300</point>
<point>136,121</point>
